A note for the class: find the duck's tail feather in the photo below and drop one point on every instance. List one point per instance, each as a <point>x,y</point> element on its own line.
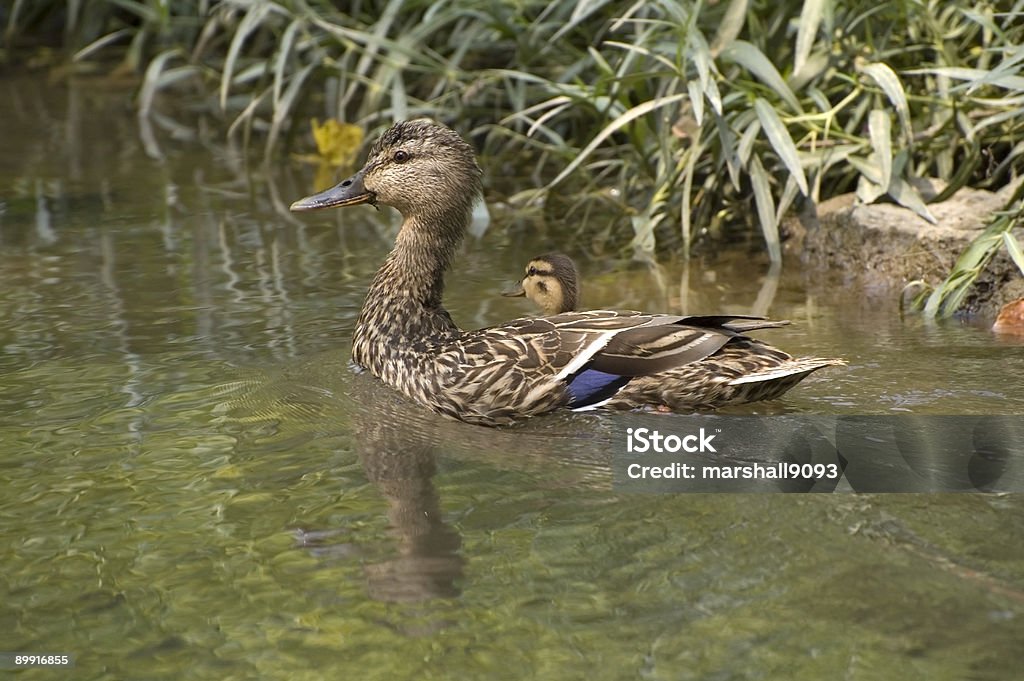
<point>800,367</point>
<point>773,382</point>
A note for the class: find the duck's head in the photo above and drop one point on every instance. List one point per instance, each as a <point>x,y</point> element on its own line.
<point>420,167</point>
<point>551,282</point>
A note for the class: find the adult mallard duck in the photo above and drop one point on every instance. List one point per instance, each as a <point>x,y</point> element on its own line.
<point>522,368</point>
<point>744,370</point>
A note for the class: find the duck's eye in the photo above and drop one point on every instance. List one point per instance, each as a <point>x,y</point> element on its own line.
<point>401,156</point>
<point>532,271</point>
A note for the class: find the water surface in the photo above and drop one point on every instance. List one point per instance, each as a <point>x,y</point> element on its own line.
<point>196,485</point>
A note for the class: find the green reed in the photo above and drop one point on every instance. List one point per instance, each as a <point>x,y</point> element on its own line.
<point>681,116</point>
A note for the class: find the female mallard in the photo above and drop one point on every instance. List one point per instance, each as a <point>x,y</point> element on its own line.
<point>525,367</point>
<point>744,370</point>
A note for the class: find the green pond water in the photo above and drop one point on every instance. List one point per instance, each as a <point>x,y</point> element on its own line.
<point>195,485</point>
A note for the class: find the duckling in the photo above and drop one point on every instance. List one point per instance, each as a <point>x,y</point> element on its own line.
<point>552,284</point>
<point>525,367</point>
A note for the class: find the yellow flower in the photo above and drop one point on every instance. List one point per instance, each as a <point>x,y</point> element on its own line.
<point>337,143</point>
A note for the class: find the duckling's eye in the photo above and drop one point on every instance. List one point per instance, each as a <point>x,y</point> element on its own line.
<point>531,272</point>
<point>401,156</point>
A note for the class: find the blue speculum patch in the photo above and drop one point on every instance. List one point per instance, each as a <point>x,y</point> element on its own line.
<point>591,386</point>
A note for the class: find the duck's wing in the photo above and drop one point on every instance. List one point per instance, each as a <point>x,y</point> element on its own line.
<point>594,353</point>
<point>625,343</point>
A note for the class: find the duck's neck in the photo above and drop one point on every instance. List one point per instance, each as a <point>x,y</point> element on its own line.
<point>403,303</point>
<point>416,266</point>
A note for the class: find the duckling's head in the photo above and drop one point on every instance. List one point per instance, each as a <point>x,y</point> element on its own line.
<point>551,282</point>
<point>422,168</point>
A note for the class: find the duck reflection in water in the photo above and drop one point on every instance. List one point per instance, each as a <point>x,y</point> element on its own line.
<point>399,460</point>
<point>398,444</point>
<point>300,404</point>
<point>402,464</point>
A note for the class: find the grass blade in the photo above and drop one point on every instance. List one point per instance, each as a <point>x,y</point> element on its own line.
<point>283,52</point>
<point>12,20</point>
<point>881,140</point>
<point>714,96</point>
<point>1008,67</point>
<point>249,23</point>
<point>908,197</point>
<point>780,140</point>
<point>810,20</point>
<point>1013,248</point>
<point>580,12</point>
<point>100,43</point>
<point>700,54</point>
<point>284,107</point>
<point>730,150</point>
<point>749,57</point>
<point>946,298</point>
<point>746,145</point>
<point>696,100</point>
<point>151,80</point>
<point>867,168</point>
<point>765,208</point>
<point>890,83</point>
<point>786,200</point>
<point>686,219</point>
<point>976,76</point>
<point>868,191</point>
<point>399,98</point>
<point>619,122</point>
<point>729,29</point>
<point>245,117</point>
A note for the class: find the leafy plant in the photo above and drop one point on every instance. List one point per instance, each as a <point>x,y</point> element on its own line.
<point>946,298</point>
<point>680,117</point>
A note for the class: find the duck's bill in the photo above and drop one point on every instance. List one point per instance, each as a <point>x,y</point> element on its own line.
<point>517,292</point>
<point>347,193</point>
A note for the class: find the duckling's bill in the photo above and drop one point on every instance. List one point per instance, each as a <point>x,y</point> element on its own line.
<point>348,193</point>
<point>517,292</point>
